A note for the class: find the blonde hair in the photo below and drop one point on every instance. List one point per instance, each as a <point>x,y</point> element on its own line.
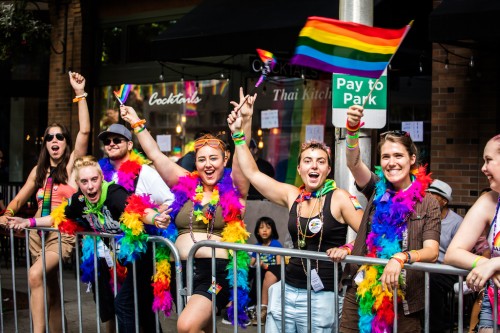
<point>85,161</point>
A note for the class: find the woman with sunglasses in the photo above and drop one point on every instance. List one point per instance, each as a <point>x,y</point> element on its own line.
<point>401,223</point>
<point>51,181</point>
<point>483,214</point>
<point>209,204</point>
<point>319,216</point>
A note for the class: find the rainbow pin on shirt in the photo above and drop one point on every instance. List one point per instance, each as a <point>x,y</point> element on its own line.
<point>122,94</point>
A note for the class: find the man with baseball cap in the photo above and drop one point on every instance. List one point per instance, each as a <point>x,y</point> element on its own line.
<point>441,284</point>
<point>128,168</point>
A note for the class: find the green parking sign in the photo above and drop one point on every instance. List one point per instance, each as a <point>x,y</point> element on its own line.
<point>348,90</point>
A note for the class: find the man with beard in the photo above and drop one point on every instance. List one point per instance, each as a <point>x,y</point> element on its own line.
<point>128,168</point>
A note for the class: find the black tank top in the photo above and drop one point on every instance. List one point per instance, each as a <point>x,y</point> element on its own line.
<point>334,235</point>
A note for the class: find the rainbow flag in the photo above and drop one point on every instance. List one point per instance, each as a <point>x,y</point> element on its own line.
<point>346,48</point>
<point>122,94</point>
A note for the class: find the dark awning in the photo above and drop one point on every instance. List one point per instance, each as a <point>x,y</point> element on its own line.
<point>218,27</point>
<point>465,22</point>
<point>231,27</point>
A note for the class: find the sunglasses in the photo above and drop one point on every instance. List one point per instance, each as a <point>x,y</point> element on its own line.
<point>214,143</point>
<point>116,141</point>
<point>50,137</point>
<point>396,133</point>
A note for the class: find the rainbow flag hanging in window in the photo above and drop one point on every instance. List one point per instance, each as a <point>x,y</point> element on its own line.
<point>345,47</point>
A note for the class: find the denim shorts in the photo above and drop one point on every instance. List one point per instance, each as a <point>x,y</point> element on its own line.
<point>486,314</point>
<point>322,310</point>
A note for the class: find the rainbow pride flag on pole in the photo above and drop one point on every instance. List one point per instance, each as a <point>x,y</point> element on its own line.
<point>346,48</point>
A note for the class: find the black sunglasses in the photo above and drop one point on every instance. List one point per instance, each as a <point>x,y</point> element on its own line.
<point>50,137</point>
<point>397,133</point>
<point>116,141</point>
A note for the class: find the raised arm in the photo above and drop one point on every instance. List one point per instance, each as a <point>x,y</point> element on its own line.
<point>459,252</point>
<point>77,81</point>
<point>168,169</point>
<point>279,193</point>
<point>245,108</point>
<point>359,170</point>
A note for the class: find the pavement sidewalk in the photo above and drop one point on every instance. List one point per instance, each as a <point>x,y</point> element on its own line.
<point>89,322</point>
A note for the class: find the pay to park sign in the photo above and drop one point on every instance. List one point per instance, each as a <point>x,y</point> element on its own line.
<point>348,90</point>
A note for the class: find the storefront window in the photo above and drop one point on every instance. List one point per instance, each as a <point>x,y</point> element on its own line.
<point>173,110</point>
<point>303,113</point>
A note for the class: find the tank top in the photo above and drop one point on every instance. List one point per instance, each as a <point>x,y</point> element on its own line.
<point>182,220</point>
<point>494,234</point>
<point>334,235</point>
<point>60,192</point>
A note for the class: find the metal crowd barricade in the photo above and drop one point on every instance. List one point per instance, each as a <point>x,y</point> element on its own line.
<point>310,255</point>
<point>152,240</point>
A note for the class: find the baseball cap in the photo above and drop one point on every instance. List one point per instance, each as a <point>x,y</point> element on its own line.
<point>116,129</point>
<point>441,188</point>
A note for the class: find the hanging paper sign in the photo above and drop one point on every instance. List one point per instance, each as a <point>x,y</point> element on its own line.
<point>164,142</point>
<point>415,128</point>
<point>315,132</point>
<point>269,119</point>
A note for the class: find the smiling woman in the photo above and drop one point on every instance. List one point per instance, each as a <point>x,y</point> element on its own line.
<point>401,223</point>
<point>209,204</point>
<point>319,216</point>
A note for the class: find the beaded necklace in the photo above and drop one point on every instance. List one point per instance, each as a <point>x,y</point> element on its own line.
<point>299,231</point>
<point>209,217</point>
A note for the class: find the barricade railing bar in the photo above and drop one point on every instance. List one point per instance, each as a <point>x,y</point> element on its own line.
<point>152,240</point>
<point>427,268</point>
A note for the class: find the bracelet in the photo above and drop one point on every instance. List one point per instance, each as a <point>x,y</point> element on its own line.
<point>353,136</point>
<point>401,262</point>
<point>32,222</point>
<point>352,129</point>
<point>408,254</point>
<point>345,247</point>
<point>474,263</point>
<point>139,129</point>
<point>418,255</point>
<point>239,141</point>
<point>80,97</point>
<point>238,135</point>
<point>138,123</point>
<point>11,211</point>
<point>353,146</point>
<point>153,219</point>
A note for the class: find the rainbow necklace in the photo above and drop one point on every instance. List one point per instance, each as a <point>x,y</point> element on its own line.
<point>495,240</point>
<point>209,217</point>
<point>388,226</point>
<point>127,172</point>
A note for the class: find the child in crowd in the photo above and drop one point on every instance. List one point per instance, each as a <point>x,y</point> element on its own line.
<point>267,235</point>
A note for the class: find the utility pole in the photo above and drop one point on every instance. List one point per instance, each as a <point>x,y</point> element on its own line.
<point>358,11</point>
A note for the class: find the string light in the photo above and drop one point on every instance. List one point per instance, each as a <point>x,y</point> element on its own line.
<point>471,62</point>
<point>259,132</point>
<point>178,129</point>
<point>161,77</point>
<point>261,144</point>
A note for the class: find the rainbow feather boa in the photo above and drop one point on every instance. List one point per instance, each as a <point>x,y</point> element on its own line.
<point>128,171</point>
<point>388,225</point>
<point>234,231</point>
<point>134,243</point>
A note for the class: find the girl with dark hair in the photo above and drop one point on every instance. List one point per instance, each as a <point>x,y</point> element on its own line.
<point>267,235</point>
<point>52,182</point>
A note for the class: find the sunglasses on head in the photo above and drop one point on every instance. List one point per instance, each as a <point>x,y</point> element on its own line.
<point>116,141</point>
<point>396,133</point>
<point>50,137</point>
<point>214,143</point>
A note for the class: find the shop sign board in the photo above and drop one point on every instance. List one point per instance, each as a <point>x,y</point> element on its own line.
<point>348,90</point>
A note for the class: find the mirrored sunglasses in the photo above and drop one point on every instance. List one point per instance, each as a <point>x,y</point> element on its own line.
<point>214,143</point>
<point>116,141</point>
<point>50,137</point>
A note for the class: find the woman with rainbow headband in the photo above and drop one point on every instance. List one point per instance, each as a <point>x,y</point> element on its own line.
<point>209,204</point>
<point>51,180</point>
<point>483,214</point>
<point>401,223</point>
<point>106,207</point>
<point>319,215</point>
